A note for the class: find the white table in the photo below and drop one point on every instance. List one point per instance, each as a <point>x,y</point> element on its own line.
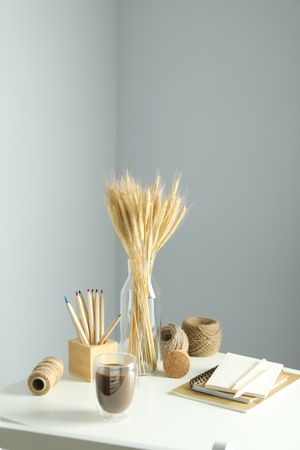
<point>156,420</point>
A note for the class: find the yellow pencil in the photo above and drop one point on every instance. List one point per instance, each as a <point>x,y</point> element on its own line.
<point>110,329</point>
<point>76,323</point>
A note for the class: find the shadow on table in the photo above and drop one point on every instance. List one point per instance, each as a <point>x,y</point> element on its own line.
<point>67,415</point>
<point>20,388</point>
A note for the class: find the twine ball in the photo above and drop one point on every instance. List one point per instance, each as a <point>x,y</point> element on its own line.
<point>176,363</point>
<point>45,375</point>
<point>172,337</point>
<point>204,334</point>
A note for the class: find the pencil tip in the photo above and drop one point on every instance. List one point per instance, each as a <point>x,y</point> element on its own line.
<point>88,290</point>
<point>79,292</point>
<point>101,291</point>
<point>76,293</point>
<point>66,300</point>
<point>96,290</point>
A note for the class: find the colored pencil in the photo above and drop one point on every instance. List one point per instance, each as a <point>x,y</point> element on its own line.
<point>101,313</point>
<point>91,316</point>
<point>82,316</point>
<point>76,323</point>
<point>97,317</point>
<point>84,305</point>
<point>111,327</point>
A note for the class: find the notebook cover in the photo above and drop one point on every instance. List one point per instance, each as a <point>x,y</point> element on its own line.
<point>231,369</point>
<point>202,379</point>
<point>186,391</point>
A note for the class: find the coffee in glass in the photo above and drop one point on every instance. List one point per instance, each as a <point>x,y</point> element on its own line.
<point>115,379</point>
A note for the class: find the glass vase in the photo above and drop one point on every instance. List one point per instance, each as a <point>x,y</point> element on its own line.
<point>140,312</point>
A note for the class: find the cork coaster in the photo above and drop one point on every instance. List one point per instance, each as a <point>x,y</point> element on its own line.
<point>176,363</point>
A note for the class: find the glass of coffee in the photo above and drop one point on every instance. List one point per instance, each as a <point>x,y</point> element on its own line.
<point>115,378</point>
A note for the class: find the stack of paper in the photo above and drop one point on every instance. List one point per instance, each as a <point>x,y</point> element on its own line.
<point>242,375</point>
<point>238,382</point>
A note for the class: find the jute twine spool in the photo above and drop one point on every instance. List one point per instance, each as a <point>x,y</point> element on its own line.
<point>45,375</point>
<point>204,334</point>
<point>172,337</point>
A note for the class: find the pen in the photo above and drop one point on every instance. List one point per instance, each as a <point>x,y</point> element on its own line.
<point>250,375</point>
<point>245,388</point>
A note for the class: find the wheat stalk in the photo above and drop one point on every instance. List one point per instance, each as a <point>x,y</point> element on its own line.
<point>144,220</point>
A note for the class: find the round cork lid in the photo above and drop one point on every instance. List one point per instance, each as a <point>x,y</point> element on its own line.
<point>176,363</point>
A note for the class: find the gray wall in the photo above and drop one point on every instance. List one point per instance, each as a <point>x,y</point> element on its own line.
<point>209,88</point>
<point>57,145</point>
<point>212,88</point>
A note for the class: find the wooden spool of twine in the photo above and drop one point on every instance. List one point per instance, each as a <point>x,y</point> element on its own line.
<point>45,375</point>
<point>172,337</point>
<point>204,334</point>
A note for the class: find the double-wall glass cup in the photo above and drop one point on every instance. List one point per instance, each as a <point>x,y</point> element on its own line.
<point>115,379</point>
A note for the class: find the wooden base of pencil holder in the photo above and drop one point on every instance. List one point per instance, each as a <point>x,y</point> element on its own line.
<point>82,357</point>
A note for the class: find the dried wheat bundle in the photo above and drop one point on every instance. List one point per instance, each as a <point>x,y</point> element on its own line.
<point>144,219</point>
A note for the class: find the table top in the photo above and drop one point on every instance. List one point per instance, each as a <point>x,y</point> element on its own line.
<point>156,418</point>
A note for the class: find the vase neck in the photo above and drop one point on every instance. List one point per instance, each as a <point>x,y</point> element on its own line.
<point>147,265</point>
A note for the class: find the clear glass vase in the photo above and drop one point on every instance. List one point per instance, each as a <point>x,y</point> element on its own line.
<point>140,312</point>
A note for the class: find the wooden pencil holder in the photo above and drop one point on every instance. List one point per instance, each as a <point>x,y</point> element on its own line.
<point>82,357</point>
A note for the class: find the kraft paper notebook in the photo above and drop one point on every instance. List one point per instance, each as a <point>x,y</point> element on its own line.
<point>186,391</point>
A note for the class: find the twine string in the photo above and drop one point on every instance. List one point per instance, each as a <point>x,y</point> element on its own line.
<point>172,337</point>
<point>45,375</point>
<point>204,335</point>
